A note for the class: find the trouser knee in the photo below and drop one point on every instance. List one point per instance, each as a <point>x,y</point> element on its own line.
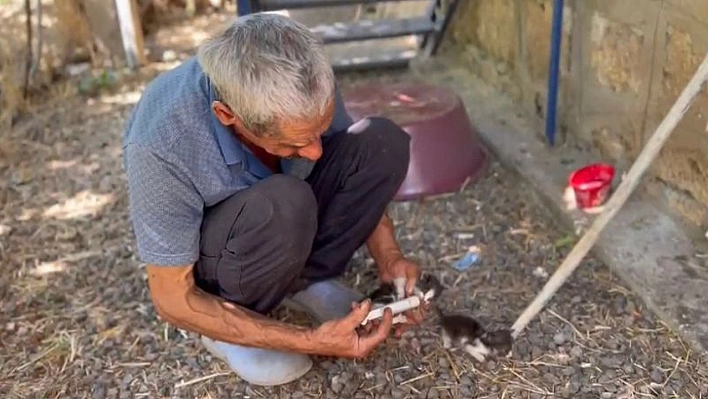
<point>256,243</point>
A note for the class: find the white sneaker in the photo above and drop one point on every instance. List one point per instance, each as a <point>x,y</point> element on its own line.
<point>325,300</point>
<point>259,366</point>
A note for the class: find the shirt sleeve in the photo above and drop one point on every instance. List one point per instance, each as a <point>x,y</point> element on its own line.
<point>165,208</point>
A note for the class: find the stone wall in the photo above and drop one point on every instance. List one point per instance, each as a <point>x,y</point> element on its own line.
<point>623,64</point>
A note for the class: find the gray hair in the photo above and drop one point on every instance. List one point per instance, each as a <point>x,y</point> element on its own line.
<point>268,68</point>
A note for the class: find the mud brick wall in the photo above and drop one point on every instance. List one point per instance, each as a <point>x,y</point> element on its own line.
<point>623,63</point>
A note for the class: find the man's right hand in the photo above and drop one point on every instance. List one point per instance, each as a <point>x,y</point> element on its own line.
<point>342,338</point>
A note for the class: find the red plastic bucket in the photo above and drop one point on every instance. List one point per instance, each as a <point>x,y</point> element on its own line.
<point>592,184</point>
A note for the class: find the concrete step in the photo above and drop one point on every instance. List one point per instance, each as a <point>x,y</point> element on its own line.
<point>268,5</point>
<point>365,30</point>
<point>389,59</point>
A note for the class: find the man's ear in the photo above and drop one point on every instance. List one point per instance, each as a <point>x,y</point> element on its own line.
<point>224,114</point>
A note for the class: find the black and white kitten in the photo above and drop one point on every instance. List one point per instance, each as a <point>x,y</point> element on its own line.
<point>467,333</point>
<point>427,288</point>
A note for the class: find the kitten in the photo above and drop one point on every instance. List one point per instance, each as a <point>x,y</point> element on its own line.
<point>427,288</point>
<point>468,333</point>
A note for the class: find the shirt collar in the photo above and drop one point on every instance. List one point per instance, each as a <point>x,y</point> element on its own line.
<point>230,147</point>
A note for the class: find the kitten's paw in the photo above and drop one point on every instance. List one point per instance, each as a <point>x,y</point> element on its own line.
<point>477,351</point>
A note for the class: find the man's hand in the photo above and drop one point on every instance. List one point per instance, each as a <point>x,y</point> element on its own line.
<point>394,267</point>
<point>344,338</point>
<point>407,272</point>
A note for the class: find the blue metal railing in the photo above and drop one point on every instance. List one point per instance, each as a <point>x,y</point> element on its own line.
<point>552,101</point>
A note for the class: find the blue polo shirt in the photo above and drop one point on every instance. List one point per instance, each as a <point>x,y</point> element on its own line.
<point>180,159</point>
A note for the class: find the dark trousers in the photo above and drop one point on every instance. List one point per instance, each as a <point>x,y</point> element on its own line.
<point>257,244</point>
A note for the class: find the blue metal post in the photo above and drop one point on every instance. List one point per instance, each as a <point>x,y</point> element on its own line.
<point>244,7</point>
<point>556,36</point>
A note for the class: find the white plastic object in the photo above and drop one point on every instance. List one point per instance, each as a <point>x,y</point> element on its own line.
<point>397,307</point>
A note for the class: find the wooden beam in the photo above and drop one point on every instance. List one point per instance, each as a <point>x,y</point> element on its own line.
<point>131,32</point>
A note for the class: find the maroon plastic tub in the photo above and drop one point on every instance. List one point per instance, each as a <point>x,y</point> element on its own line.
<point>446,152</point>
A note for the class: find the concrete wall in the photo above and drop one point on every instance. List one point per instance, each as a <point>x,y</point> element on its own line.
<point>623,63</point>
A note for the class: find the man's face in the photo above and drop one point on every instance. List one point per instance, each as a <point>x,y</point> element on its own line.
<point>296,139</point>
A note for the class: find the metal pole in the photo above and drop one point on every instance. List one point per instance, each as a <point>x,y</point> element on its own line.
<point>553,72</point>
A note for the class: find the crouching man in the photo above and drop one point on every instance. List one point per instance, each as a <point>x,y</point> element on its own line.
<point>250,187</point>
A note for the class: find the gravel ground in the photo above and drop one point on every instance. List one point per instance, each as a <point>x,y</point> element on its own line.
<point>77,321</point>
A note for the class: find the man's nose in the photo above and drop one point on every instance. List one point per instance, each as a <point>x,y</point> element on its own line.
<point>313,152</point>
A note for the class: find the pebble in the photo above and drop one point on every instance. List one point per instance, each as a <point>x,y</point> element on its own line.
<point>535,339</point>
<point>466,391</point>
<point>611,362</point>
<point>551,378</point>
<point>559,338</point>
<point>628,369</point>
<point>99,391</point>
<point>576,351</point>
<point>657,376</point>
<point>337,384</point>
<point>537,352</point>
<point>443,362</point>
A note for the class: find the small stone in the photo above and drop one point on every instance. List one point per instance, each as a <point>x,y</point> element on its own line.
<point>611,362</point>
<point>443,362</point>
<point>465,380</point>
<point>568,371</point>
<point>537,352</point>
<point>535,339</point>
<point>574,385</point>
<point>559,338</point>
<point>433,394</point>
<point>657,376</point>
<point>576,351</point>
<point>607,395</point>
<point>628,368</point>
<point>551,379</point>
<point>604,379</point>
<point>337,386</point>
<point>398,393</point>
<point>99,391</point>
<point>576,300</point>
<point>327,365</point>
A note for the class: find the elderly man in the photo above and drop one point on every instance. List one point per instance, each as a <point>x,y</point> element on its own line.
<point>250,187</point>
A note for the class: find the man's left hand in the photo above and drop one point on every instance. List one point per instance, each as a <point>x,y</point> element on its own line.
<point>409,272</point>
